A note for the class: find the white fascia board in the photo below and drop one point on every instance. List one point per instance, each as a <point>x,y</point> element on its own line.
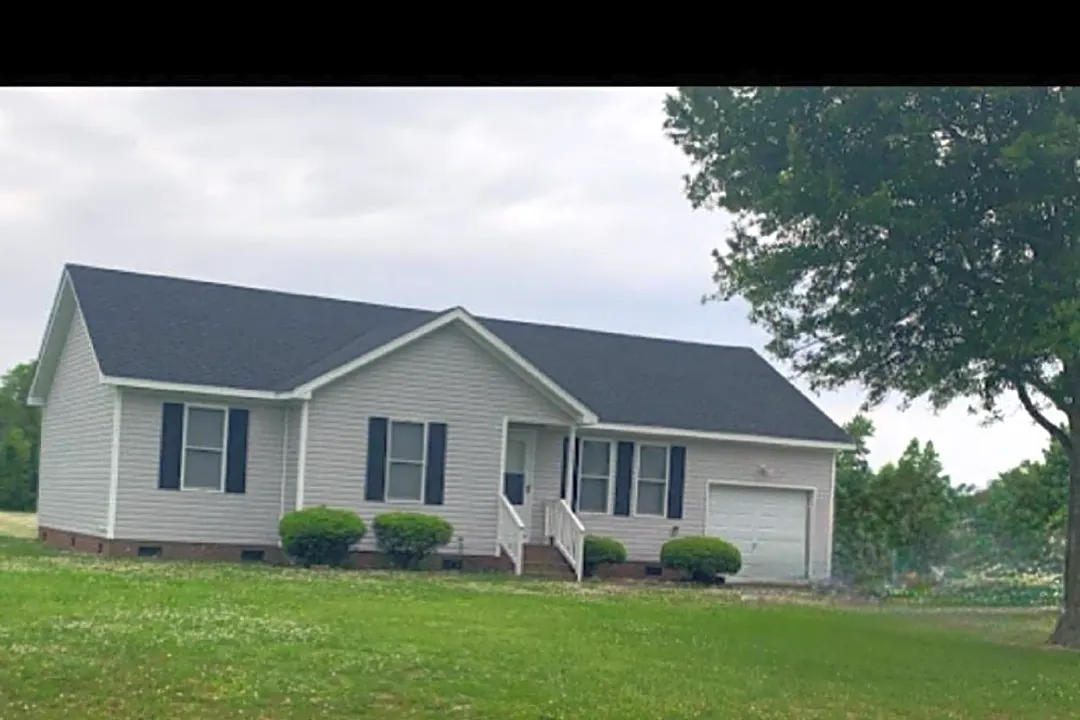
<point>654,431</point>
<point>213,390</point>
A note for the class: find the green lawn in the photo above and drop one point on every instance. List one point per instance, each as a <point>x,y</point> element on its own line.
<point>92,637</point>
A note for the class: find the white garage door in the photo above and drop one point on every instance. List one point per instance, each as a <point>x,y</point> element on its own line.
<point>768,525</point>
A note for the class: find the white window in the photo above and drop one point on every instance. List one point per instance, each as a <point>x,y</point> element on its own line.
<point>405,461</point>
<point>652,480</point>
<point>204,448</point>
<point>595,476</point>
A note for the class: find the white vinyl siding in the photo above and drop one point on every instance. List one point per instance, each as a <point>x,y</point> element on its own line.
<point>643,535</point>
<point>443,377</point>
<point>76,438</point>
<point>146,512</point>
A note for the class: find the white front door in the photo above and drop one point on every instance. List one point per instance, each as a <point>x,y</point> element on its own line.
<point>518,475</point>
<point>768,525</point>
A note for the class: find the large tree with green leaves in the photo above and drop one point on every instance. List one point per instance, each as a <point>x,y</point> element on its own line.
<point>1023,511</point>
<point>917,241</point>
<point>918,507</point>
<point>860,543</point>
<point>20,434</point>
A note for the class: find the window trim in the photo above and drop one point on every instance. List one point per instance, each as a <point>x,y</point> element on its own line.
<point>224,450</point>
<point>612,458</point>
<point>424,426</point>
<point>637,479</point>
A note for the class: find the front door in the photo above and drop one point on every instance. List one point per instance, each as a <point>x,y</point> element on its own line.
<point>517,477</point>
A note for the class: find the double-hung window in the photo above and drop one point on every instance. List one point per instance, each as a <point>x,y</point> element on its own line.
<point>405,461</point>
<point>595,476</point>
<point>204,449</point>
<point>652,480</point>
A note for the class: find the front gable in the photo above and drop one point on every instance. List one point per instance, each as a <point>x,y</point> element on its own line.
<point>65,309</point>
<point>444,373</point>
<point>483,338</point>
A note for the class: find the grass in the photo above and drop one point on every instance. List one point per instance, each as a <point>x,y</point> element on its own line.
<point>91,637</point>
<point>17,524</point>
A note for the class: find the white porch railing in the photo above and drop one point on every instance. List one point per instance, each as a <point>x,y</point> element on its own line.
<point>567,533</point>
<point>511,533</point>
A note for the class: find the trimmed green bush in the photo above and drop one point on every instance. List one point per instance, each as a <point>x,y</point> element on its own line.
<point>407,538</point>
<point>701,557</point>
<point>320,535</point>
<point>601,550</point>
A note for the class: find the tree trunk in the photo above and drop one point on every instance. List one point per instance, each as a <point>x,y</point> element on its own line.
<point>1067,632</point>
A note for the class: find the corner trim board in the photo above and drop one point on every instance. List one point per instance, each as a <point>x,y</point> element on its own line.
<point>502,474</point>
<point>832,518</point>
<point>284,459</point>
<point>114,465</point>
<point>301,457</point>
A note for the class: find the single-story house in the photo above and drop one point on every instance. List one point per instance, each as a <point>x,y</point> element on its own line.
<point>184,418</point>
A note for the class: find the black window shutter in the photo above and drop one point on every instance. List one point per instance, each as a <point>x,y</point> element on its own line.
<point>375,487</point>
<point>624,473</point>
<point>236,454</point>
<point>577,468</point>
<point>172,446</point>
<point>676,481</point>
<point>562,468</point>
<point>434,477</point>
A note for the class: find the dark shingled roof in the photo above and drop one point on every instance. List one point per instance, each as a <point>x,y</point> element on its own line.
<point>168,329</point>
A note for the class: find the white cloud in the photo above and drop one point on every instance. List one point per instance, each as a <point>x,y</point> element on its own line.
<point>559,205</point>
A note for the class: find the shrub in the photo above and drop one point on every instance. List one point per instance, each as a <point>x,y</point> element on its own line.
<point>406,538</point>
<point>320,535</point>
<point>702,558</point>
<point>600,550</point>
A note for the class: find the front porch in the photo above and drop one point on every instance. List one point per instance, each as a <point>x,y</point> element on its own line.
<point>537,528</point>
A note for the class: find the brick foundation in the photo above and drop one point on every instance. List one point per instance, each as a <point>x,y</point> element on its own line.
<point>636,570</point>
<point>366,560</point>
<point>221,552</point>
<point>73,541</point>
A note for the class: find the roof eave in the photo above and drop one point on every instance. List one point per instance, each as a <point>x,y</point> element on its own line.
<point>211,390</point>
<point>657,431</point>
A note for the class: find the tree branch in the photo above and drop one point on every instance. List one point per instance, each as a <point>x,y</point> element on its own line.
<point>1033,410</point>
<point>1059,401</point>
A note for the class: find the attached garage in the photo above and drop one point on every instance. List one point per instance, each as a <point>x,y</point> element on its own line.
<point>770,526</point>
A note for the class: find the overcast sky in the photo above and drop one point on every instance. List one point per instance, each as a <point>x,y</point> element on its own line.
<point>558,206</point>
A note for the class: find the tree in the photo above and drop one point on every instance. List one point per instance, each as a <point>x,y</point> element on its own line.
<point>860,546</point>
<point>1023,511</point>
<point>918,507</point>
<point>923,242</point>
<point>20,435</point>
